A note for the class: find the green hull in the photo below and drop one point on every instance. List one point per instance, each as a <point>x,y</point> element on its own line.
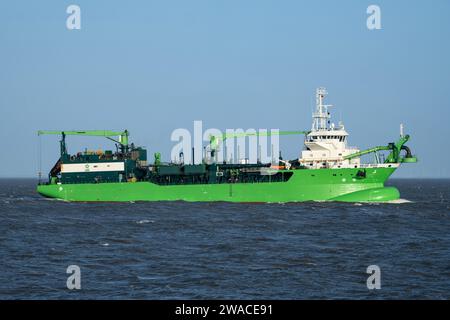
<point>304,185</point>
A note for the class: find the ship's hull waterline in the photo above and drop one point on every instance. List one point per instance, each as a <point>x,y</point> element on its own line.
<point>304,185</point>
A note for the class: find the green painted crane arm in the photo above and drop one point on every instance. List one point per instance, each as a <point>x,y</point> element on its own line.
<point>214,140</point>
<point>394,155</point>
<point>361,153</point>
<point>96,133</point>
<point>99,133</point>
<point>246,134</point>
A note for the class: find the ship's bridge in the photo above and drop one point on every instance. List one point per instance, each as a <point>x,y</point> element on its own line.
<point>326,136</point>
<point>326,145</point>
<point>327,148</point>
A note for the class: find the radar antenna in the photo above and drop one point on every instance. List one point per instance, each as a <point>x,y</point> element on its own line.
<point>321,116</point>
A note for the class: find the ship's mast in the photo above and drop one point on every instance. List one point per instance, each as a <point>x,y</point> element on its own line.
<point>321,115</point>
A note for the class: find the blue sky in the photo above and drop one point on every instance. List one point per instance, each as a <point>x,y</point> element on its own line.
<point>154,66</point>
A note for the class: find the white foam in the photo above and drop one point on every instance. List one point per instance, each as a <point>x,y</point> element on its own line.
<point>145,221</point>
<point>399,201</point>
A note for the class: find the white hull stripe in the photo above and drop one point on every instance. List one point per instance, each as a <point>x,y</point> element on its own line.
<point>92,167</point>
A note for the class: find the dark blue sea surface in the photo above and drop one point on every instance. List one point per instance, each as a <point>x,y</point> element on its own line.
<point>178,250</point>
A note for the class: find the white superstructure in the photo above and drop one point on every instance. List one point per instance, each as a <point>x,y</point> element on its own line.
<point>326,144</point>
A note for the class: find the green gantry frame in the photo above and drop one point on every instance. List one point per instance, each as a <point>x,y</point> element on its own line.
<point>394,155</point>
<point>122,141</point>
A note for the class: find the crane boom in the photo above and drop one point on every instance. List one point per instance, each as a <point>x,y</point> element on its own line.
<point>100,133</point>
<point>123,136</point>
<point>215,139</point>
<point>361,153</point>
<point>394,155</point>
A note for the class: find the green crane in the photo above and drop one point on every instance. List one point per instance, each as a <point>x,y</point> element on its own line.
<point>214,140</point>
<point>394,156</point>
<point>122,140</point>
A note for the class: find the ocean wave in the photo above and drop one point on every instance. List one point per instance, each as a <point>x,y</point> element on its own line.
<point>145,221</point>
<point>400,201</point>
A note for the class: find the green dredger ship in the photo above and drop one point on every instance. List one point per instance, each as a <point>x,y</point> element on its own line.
<point>327,170</point>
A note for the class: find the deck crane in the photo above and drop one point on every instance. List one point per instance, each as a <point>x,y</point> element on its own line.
<point>122,137</point>
<point>394,156</point>
<point>215,140</point>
